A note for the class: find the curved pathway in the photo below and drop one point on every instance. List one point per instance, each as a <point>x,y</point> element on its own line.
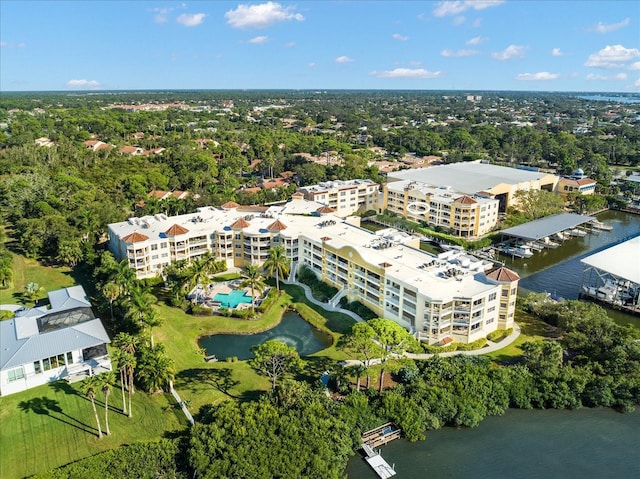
<point>489,348</point>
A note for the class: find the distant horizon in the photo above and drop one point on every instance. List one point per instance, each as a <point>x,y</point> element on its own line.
<point>461,45</point>
<point>320,91</point>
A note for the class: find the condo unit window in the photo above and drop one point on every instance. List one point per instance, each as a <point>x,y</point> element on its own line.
<point>505,293</point>
<point>15,374</point>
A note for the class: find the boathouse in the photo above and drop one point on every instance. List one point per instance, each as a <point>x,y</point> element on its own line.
<point>613,276</point>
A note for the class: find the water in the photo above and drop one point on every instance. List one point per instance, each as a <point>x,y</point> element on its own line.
<point>292,330</point>
<point>559,271</point>
<point>588,443</point>
<point>612,99</point>
<point>232,299</point>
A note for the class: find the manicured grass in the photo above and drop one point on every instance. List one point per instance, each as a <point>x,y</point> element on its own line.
<point>532,329</point>
<point>52,425</point>
<point>27,270</point>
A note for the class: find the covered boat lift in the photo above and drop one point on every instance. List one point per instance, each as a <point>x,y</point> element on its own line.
<point>537,230</point>
<point>613,275</point>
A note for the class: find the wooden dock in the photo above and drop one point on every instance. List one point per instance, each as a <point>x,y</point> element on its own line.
<point>381,435</point>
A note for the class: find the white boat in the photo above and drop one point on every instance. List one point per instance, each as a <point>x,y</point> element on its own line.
<point>519,251</point>
<point>607,292</point>
<point>599,225</point>
<point>577,232</point>
<point>549,243</point>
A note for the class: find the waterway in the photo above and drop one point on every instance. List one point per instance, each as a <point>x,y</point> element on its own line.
<point>292,330</point>
<point>559,271</point>
<point>587,443</point>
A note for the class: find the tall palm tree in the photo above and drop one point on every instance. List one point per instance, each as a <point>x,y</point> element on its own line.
<point>139,303</point>
<point>151,320</point>
<point>106,381</point>
<point>251,277</point>
<point>199,272</point>
<point>118,358</point>
<point>123,276</point>
<point>277,264</point>
<point>89,389</point>
<point>129,364</point>
<point>111,291</point>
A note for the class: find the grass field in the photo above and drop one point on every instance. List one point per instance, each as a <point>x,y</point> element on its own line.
<point>52,425</point>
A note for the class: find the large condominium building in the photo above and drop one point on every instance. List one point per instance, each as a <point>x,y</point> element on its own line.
<point>499,182</point>
<point>452,295</point>
<point>462,214</point>
<point>344,197</point>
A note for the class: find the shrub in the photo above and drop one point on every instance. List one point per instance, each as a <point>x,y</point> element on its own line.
<point>434,349</point>
<point>477,344</point>
<point>499,335</point>
<point>319,289</point>
<point>358,308</point>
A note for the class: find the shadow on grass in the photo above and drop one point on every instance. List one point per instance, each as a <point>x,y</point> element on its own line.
<point>315,367</point>
<point>50,407</point>
<point>200,379</point>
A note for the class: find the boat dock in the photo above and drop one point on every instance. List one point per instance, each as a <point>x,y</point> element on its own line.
<point>377,462</point>
<point>378,437</point>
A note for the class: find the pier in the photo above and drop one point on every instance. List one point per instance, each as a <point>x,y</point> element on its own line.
<point>377,437</point>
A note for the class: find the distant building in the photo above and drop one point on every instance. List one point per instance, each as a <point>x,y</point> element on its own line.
<point>499,182</point>
<point>96,145</point>
<point>44,141</point>
<point>461,214</point>
<point>576,183</point>
<point>344,197</point>
<point>41,345</point>
<point>131,150</point>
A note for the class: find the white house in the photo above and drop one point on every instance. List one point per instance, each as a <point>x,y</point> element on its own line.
<point>41,345</point>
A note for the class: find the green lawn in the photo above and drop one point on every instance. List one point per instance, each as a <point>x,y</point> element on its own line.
<point>25,271</point>
<point>52,425</point>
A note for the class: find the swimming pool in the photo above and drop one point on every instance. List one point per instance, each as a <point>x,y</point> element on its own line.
<point>233,299</point>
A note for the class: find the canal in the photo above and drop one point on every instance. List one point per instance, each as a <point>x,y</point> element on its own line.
<point>559,271</point>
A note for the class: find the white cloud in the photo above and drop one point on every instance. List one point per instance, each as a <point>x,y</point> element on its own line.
<point>402,38</point>
<point>458,21</point>
<point>476,40</point>
<point>612,57</point>
<point>556,52</point>
<point>191,19</point>
<point>260,16</point>
<point>83,84</point>
<point>260,39</point>
<point>636,83</point>
<point>459,53</point>
<point>344,59</point>
<point>458,6</point>
<point>12,45</point>
<point>312,64</point>
<point>618,77</point>
<point>509,53</point>
<point>161,14</point>
<point>540,76</point>
<point>610,27</point>
<point>634,66</point>
<point>419,73</point>
<point>477,23</point>
<point>415,63</point>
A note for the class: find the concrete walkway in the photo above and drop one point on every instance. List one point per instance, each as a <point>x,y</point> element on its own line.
<point>489,348</point>
<point>311,299</point>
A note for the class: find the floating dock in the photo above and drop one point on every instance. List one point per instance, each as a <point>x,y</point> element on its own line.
<point>377,437</point>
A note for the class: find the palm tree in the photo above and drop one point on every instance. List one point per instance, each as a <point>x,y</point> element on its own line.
<point>277,264</point>
<point>32,291</point>
<point>106,381</point>
<point>129,365</point>
<point>123,276</point>
<point>156,369</point>
<point>118,357</point>
<point>139,303</point>
<point>251,277</point>
<point>89,388</point>
<point>198,272</point>
<point>151,320</point>
<point>111,291</point>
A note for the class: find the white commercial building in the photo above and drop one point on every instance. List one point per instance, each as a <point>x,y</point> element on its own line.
<point>344,197</point>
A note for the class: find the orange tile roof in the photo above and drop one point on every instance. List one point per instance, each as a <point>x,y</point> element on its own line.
<point>135,237</point>
<point>277,225</point>
<point>324,210</point>
<point>158,194</point>
<point>465,200</point>
<point>240,223</point>
<point>502,274</point>
<point>229,205</point>
<point>176,230</point>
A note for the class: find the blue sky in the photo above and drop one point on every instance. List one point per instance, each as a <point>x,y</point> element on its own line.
<point>551,45</point>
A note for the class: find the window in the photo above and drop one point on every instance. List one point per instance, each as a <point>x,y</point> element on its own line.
<point>492,296</point>
<point>491,309</point>
<point>505,293</point>
<point>37,367</point>
<point>15,374</point>
<point>154,247</point>
<point>513,291</point>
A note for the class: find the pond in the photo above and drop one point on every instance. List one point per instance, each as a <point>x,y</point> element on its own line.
<point>292,330</point>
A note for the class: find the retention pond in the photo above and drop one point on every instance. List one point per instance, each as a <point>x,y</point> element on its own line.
<point>292,330</point>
